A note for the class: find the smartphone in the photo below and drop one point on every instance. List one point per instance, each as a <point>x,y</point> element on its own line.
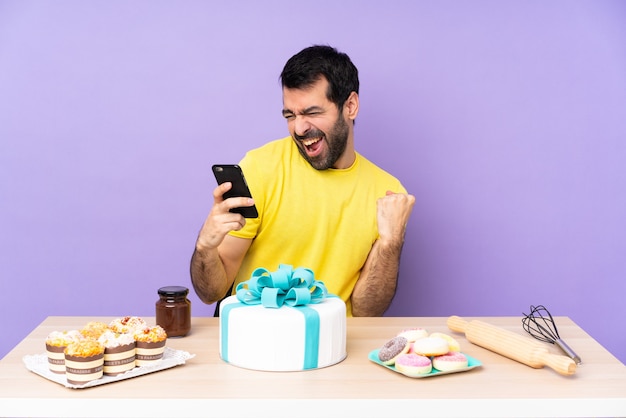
<point>234,174</point>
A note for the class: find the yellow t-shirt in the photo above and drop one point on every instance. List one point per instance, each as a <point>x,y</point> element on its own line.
<point>322,220</point>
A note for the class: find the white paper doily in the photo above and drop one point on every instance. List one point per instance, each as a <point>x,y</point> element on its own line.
<point>38,364</point>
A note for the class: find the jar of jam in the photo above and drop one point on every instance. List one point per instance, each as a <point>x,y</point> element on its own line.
<point>173,311</point>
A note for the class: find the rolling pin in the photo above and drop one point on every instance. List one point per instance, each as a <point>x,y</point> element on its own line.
<point>509,344</point>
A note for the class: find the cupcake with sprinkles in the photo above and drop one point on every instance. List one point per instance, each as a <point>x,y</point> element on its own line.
<point>150,345</point>
<point>56,342</point>
<point>119,352</point>
<point>84,361</point>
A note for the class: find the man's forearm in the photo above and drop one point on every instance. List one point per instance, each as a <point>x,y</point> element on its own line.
<point>377,283</point>
<point>208,275</point>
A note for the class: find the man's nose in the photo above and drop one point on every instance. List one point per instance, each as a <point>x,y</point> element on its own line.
<point>301,125</point>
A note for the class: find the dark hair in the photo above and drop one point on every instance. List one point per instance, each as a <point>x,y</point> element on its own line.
<point>307,67</point>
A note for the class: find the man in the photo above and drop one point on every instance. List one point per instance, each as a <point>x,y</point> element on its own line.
<point>321,204</point>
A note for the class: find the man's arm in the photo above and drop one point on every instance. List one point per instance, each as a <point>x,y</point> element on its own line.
<point>213,270</point>
<point>217,256</point>
<point>377,282</point>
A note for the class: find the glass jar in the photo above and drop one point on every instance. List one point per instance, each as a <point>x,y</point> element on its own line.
<point>173,310</point>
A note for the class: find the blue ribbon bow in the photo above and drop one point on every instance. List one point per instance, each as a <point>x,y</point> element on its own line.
<point>285,286</point>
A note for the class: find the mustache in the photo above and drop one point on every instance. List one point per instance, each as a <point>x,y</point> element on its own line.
<point>311,134</point>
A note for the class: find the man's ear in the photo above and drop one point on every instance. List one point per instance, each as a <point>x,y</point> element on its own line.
<point>351,106</point>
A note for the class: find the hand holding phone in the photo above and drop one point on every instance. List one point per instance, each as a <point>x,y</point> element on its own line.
<point>232,173</point>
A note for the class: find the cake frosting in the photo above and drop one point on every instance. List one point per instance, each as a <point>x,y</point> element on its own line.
<point>128,324</point>
<point>94,329</point>
<point>282,334</point>
<point>63,338</point>
<point>150,334</point>
<point>261,338</point>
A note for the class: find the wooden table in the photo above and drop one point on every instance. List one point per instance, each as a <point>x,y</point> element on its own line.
<point>205,386</point>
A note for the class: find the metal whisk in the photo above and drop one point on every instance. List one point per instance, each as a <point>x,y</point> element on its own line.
<point>540,324</point>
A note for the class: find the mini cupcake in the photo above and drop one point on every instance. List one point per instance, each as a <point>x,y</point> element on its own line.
<point>150,345</point>
<point>55,347</point>
<point>84,361</point>
<point>128,324</point>
<point>119,352</point>
<point>94,329</point>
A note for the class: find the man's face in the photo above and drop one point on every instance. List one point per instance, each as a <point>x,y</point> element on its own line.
<point>316,125</point>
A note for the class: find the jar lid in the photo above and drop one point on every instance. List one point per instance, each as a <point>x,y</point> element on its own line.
<point>173,291</point>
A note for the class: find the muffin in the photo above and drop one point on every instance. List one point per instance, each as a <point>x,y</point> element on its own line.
<point>94,329</point>
<point>55,348</point>
<point>84,361</point>
<point>150,345</point>
<point>128,324</point>
<point>119,352</point>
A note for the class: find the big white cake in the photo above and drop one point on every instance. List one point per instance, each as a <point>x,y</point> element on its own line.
<point>285,338</point>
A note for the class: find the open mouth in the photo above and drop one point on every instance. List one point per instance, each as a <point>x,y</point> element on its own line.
<point>312,145</point>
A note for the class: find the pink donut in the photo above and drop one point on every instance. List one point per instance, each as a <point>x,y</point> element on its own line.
<point>392,349</point>
<point>413,364</point>
<point>431,346</point>
<point>452,361</point>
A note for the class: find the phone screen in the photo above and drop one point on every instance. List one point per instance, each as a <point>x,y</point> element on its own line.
<point>234,174</point>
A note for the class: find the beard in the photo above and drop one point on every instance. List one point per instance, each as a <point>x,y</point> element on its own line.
<point>336,141</point>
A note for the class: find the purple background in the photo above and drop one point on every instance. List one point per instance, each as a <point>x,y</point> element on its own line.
<point>506,120</point>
